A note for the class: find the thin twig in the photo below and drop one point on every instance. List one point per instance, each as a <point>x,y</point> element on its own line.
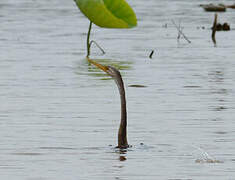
<point>178,37</point>
<point>151,54</point>
<point>180,31</point>
<point>97,46</point>
<point>214,29</point>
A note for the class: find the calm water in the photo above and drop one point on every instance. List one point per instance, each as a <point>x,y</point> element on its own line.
<point>59,115</point>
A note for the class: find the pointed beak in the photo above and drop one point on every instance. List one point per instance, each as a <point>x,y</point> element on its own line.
<point>104,68</point>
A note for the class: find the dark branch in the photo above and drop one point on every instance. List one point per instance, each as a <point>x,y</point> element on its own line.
<point>214,30</point>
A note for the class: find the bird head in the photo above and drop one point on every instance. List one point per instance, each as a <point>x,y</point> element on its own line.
<point>108,69</point>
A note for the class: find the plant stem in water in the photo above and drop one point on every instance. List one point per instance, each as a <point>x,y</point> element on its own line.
<point>88,40</point>
<point>214,30</point>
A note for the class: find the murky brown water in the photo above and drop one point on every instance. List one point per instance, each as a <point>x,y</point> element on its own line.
<point>59,115</point>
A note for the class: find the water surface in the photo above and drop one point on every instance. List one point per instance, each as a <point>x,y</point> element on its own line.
<point>59,115</point>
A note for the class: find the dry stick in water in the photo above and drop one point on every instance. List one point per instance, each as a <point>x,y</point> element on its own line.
<point>178,37</point>
<point>179,30</point>
<point>151,54</point>
<point>97,46</point>
<point>214,30</point>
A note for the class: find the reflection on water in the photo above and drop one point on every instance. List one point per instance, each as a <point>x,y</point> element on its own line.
<point>122,158</point>
<point>121,65</point>
<point>91,70</point>
<point>59,119</point>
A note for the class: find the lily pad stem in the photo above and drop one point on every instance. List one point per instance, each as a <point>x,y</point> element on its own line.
<point>89,43</point>
<point>88,40</point>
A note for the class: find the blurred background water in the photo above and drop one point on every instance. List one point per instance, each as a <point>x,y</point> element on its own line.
<point>59,115</point>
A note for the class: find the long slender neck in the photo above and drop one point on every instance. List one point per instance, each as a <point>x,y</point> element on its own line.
<point>122,132</point>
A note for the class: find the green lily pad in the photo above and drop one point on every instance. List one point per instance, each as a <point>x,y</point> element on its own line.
<point>108,13</point>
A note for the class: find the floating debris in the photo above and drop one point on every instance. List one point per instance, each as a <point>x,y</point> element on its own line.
<point>201,27</point>
<point>231,6</point>
<point>213,7</point>
<point>151,54</point>
<point>222,27</point>
<point>208,161</point>
<point>206,158</point>
<point>218,27</point>
<point>137,86</point>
